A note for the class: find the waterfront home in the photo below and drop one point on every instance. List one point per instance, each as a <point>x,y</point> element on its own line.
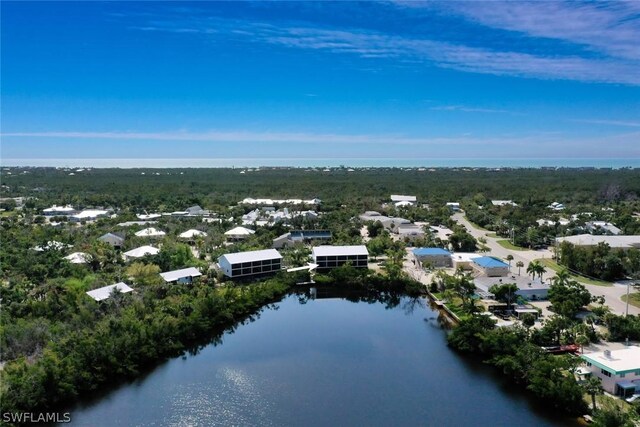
<point>619,370</point>
<point>183,276</point>
<point>432,257</point>
<point>105,292</point>
<point>250,264</point>
<point>532,290</point>
<point>334,256</point>
<point>140,252</point>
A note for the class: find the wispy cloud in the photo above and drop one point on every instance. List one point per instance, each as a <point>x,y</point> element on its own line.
<point>531,143</point>
<point>612,28</point>
<point>418,51</point>
<point>609,122</point>
<point>469,109</point>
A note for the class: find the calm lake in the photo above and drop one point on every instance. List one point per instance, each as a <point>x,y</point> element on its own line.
<point>327,362</point>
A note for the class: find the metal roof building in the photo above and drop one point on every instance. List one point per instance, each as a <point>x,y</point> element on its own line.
<point>620,241</point>
<point>334,256</point>
<point>184,275</point>
<point>105,292</point>
<point>491,266</point>
<point>140,252</point>
<point>251,263</point>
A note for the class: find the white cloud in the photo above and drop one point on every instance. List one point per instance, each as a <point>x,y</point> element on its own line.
<point>422,51</point>
<point>540,143</point>
<point>609,122</point>
<point>612,28</point>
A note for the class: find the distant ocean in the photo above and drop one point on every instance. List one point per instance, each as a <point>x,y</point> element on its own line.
<point>327,162</point>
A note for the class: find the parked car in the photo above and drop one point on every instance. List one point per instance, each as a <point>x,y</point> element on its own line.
<point>633,398</point>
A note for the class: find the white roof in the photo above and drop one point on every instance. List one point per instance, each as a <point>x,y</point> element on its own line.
<point>626,359</point>
<point>150,232</point>
<point>148,216</point>
<point>105,292</point>
<point>340,250</point>
<point>192,233</point>
<point>56,208</point>
<point>90,213</point>
<point>78,258</point>
<point>464,256</point>
<point>142,251</point>
<point>619,241</point>
<point>130,223</point>
<point>404,203</point>
<point>503,202</point>
<point>401,198</point>
<point>239,231</point>
<point>251,256</point>
<point>172,276</point>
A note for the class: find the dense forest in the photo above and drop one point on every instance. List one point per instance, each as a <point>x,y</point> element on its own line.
<point>170,189</point>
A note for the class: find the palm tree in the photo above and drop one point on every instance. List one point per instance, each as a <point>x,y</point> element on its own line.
<point>541,270</point>
<point>519,264</point>
<point>509,258</point>
<point>562,277</point>
<point>592,387</point>
<point>532,269</point>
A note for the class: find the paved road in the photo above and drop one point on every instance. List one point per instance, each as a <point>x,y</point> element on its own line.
<point>611,294</point>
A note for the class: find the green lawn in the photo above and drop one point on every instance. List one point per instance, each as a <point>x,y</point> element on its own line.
<point>582,279</point>
<point>494,235</point>
<point>508,245</point>
<point>634,299</point>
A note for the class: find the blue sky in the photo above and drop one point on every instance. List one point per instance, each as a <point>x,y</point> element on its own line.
<point>329,79</point>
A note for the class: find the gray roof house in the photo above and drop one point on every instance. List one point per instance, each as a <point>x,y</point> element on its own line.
<point>114,239</point>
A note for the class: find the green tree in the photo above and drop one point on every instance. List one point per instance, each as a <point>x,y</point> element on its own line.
<point>519,264</point>
<point>509,258</point>
<point>593,386</point>
<point>144,274</point>
<point>505,292</point>
<point>567,296</point>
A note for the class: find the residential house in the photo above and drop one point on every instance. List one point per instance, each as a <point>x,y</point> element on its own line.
<point>328,257</point>
<point>182,276</point>
<point>619,370</point>
<point>105,292</point>
<point>250,264</point>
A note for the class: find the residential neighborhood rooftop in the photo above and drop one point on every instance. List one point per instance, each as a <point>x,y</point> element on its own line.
<point>340,250</point>
<point>250,256</point>
<point>105,292</point>
<point>619,361</point>
<point>489,262</point>
<point>172,276</point>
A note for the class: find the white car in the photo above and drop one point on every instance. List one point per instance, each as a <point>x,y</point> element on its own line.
<point>633,398</point>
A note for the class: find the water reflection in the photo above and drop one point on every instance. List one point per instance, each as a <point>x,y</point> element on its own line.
<point>333,357</point>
